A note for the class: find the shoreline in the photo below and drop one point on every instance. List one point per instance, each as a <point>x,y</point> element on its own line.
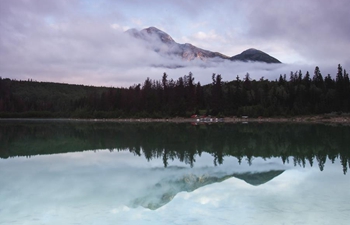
<point>299,119</point>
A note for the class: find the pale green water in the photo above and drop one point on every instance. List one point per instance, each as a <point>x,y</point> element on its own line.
<point>156,173</point>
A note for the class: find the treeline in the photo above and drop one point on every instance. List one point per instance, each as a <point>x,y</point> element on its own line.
<point>300,144</point>
<point>42,99</point>
<point>300,94</point>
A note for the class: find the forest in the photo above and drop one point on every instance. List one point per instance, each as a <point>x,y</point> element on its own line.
<point>297,94</point>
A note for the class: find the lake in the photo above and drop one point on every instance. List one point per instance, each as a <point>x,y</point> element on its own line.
<point>70,172</point>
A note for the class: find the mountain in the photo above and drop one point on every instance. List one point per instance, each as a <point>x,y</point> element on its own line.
<point>163,43</point>
<point>254,55</point>
<point>257,179</point>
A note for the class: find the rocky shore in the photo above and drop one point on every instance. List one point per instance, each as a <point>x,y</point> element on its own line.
<point>298,119</point>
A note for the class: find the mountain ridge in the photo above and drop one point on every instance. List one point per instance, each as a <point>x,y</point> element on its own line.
<point>163,43</point>
<point>253,54</point>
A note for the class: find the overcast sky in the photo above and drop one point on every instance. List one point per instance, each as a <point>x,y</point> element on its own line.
<point>82,41</point>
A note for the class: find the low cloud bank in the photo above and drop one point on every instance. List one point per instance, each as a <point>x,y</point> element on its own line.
<point>95,52</point>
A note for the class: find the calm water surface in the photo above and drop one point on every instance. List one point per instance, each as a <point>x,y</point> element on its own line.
<point>61,172</point>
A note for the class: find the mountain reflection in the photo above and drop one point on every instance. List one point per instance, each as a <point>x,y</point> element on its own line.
<point>303,143</point>
<point>165,190</point>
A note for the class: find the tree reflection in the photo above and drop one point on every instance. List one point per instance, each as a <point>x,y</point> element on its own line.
<point>302,143</point>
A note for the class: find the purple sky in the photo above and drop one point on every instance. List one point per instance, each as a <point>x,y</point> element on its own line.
<point>82,41</point>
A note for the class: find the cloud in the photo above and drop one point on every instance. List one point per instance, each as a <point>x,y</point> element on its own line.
<point>316,30</point>
<point>210,40</point>
<point>84,41</point>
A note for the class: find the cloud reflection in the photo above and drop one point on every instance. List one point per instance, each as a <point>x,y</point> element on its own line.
<point>99,187</point>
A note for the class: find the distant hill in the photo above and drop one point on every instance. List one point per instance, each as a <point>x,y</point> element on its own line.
<point>254,55</point>
<point>163,43</point>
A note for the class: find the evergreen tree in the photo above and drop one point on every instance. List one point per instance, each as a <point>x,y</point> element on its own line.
<point>217,95</point>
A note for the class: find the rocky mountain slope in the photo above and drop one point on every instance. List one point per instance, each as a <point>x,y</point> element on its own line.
<point>163,43</point>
